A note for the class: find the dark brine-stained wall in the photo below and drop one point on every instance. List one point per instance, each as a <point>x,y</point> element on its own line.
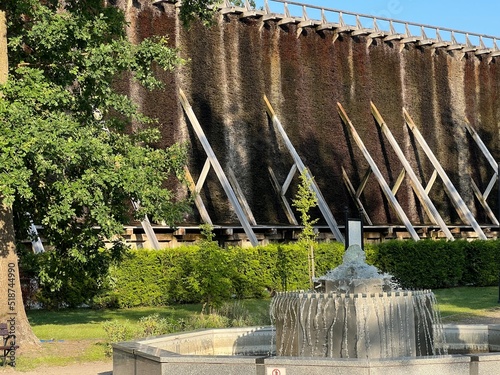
<point>234,63</point>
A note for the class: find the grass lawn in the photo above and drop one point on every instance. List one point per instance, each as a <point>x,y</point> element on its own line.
<point>77,335</point>
<point>466,303</point>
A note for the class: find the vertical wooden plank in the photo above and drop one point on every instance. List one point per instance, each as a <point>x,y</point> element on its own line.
<point>378,175</point>
<point>327,214</point>
<point>218,169</point>
<point>452,192</point>
<point>422,195</point>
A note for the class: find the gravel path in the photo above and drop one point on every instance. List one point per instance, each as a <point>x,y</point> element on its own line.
<point>90,368</point>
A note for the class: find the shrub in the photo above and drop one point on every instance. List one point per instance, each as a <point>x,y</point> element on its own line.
<point>422,264</point>
<point>154,325</point>
<point>116,331</point>
<point>482,263</point>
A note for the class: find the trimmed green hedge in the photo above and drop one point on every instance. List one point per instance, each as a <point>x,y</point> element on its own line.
<point>209,274</point>
<point>193,274</point>
<point>440,264</point>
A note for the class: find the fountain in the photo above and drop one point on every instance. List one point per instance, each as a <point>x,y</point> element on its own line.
<point>356,321</point>
<point>357,312</point>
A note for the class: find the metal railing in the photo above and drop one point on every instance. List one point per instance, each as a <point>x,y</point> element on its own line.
<point>307,15</point>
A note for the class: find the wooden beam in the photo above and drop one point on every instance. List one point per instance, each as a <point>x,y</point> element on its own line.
<point>431,181</point>
<point>325,210</point>
<point>398,183</point>
<point>422,195</point>
<point>288,179</point>
<point>241,196</point>
<point>480,197</point>
<point>450,189</point>
<point>197,199</point>
<point>203,175</point>
<point>355,196</point>
<point>378,175</point>
<point>218,169</point>
<point>286,206</point>
<point>148,229</point>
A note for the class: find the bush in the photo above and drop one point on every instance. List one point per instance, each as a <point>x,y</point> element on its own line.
<point>423,264</point>
<point>116,331</point>
<point>210,274</point>
<point>482,263</point>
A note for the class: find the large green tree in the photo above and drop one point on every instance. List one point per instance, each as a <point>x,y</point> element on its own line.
<point>69,159</point>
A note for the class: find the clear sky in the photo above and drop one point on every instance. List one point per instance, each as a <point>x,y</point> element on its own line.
<point>475,16</point>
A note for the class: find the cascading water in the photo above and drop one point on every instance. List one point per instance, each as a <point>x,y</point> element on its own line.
<point>357,312</point>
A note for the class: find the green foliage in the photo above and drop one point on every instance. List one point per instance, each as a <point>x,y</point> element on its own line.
<point>440,264</point>
<point>422,264</point>
<point>211,272</point>
<point>154,325</point>
<point>203,10</point>
<point>116,331</point>
<point>197,273</point>
<point>68,155</point>
<point>482,263</point>
<point>304,200</point>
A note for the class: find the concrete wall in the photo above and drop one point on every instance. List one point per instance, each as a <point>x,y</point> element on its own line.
<point>218,351</point>
<point>233,64</point>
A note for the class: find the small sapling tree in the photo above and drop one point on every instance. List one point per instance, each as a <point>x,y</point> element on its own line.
<point>304,201</point>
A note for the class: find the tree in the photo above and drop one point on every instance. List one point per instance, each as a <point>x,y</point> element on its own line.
<point>69,159</point>
<point>306,199</point>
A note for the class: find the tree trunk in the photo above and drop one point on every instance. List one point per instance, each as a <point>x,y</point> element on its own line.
<point>11,300</point>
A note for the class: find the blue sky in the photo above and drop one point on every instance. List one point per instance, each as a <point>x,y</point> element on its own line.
<point>476,16</point>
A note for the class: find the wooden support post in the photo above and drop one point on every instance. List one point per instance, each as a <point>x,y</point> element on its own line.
<point>286,206</point>
<point>218,169</point>
<point>148,229</point>
<point>241,196</point>
<point>450,189</point>
<point>378,175</point>
<point>197,199</point>
<point>325,210</point>
<point>356,194</point>
<point>482,197</point>
<point>422,195</point>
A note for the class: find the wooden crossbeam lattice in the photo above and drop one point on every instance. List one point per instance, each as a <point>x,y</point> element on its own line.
<point>462,209</point>
<point>483,196</point>
<point>299,165</point>
<point>281,193</point>
<point>214,163</point>
<point>419,190</point>
<point>378,175</point>
<point>356,193</point>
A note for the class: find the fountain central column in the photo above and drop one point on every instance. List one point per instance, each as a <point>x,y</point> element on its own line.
<point>355,312</point>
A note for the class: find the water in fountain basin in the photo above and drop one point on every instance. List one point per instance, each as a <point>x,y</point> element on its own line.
<point>357,312</point>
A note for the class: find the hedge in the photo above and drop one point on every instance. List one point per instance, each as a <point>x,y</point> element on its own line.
<point>210,274</point>
<point>190,274</point>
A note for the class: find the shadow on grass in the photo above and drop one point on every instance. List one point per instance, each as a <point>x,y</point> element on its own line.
<point>86,315</point>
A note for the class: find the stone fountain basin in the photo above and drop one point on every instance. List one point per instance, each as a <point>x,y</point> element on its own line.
<point>245,351</point>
